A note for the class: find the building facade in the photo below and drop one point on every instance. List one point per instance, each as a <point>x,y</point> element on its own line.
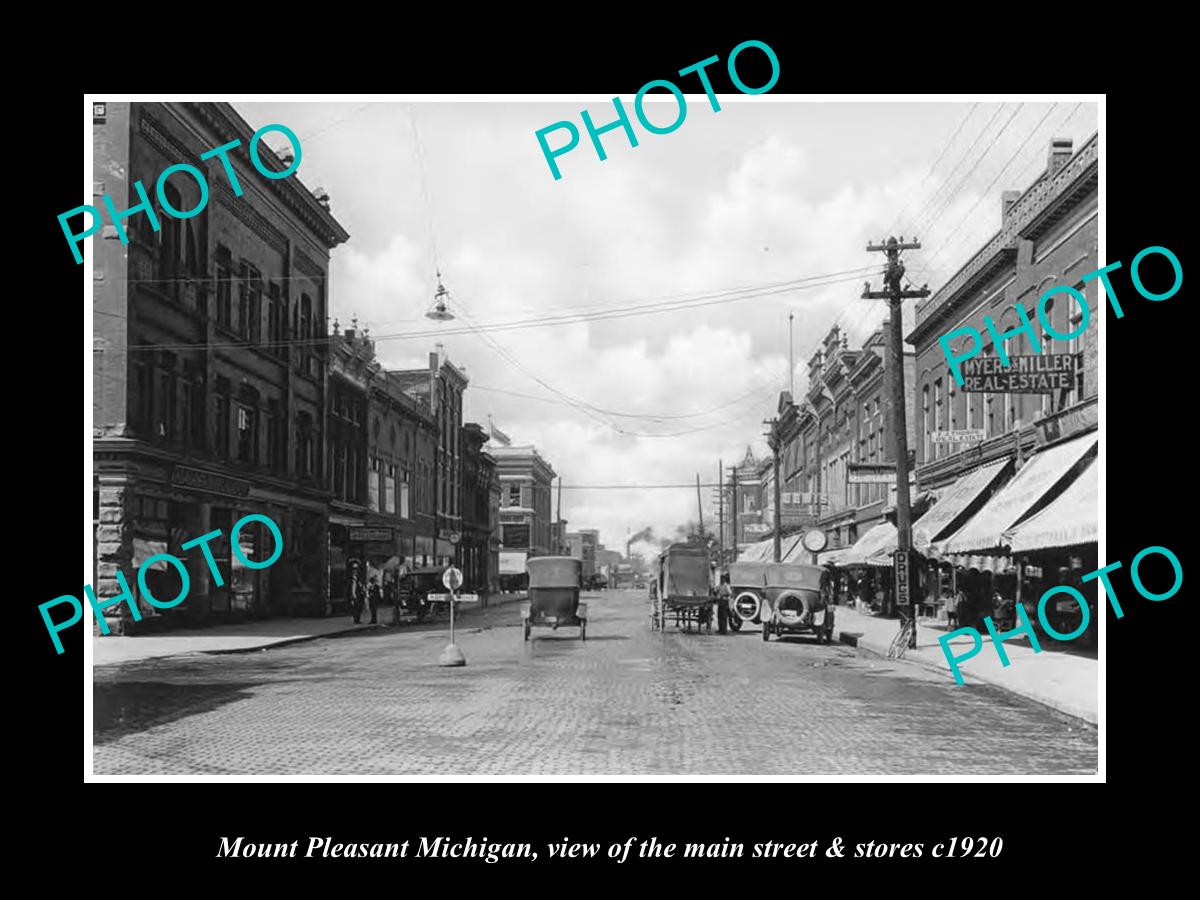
<point>209,392</point>
<point>476,547</point>
<point>441,388</point>
<point>1048,236</point>
<point>525,511</point>
<point>844,420</point>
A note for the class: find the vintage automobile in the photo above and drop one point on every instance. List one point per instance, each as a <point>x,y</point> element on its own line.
<point>748,588</point>
<point>416,587</point>
<point>554,585</point>
<point>683,587</point>
<point>798,599</point>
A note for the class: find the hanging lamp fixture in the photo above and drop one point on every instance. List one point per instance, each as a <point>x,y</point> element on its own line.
<point>438,311</point>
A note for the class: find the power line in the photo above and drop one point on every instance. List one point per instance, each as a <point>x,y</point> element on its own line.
<point>925,180</point>
<point>618,313</point>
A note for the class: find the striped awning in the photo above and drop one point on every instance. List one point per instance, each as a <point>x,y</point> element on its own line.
<point>1069,520</point>
<point>953,501</point>
<point>984,533</point>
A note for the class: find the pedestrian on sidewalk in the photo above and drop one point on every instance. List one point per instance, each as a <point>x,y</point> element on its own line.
<point>954,605</point>
<point>355,593</point>
<point>374,597</point>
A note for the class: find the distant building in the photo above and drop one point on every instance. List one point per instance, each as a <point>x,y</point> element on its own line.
<point>479,473</point>
<point>525,504</point>
<point>743,500</point>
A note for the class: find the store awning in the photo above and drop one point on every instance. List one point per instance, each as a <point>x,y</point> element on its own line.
<point>762,551</point>
<point>1069,520</point>
<point>953,500</point>
<point>985,531</point>
<point>881,537</point>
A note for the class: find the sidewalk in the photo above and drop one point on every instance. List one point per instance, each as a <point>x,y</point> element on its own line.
<point>110,650</point>
<point>1063,681</point>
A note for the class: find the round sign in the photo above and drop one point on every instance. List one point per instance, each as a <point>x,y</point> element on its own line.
<point>814,541</point>
<point>452,578</point>
<point>455,537</point>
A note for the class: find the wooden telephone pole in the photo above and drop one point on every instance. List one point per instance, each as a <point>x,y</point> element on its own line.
<point>894,294</point>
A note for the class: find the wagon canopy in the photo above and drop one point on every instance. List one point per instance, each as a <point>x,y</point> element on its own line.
<point>554,572</point>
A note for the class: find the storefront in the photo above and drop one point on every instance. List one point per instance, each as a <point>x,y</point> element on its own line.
<point>1057,546</point>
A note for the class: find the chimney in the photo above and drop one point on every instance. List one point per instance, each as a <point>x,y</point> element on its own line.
<point>322,196</point>
<point>287,157</point>
<point>1060,152</point>
<point>1007,200</point>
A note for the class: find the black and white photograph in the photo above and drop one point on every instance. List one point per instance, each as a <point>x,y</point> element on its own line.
<point>684,435</point>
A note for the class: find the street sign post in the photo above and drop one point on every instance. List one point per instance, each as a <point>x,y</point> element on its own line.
<point>452,578</point>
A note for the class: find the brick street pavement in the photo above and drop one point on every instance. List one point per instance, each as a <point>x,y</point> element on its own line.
<point>628,701</point>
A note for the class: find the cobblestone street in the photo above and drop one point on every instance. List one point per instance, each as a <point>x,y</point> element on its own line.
<point>628,701</point>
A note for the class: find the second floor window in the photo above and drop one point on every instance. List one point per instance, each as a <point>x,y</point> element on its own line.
<point>224,297</point>
<point>389,490</point>
<point>247,443</point>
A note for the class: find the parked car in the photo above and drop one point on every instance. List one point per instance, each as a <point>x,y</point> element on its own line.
<point>800,601</point>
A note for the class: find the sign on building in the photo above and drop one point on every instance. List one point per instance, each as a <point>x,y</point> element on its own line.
<point>383,535</point>
<point>1041,374</point>
<point>870,473</point>
<point>961,436</point>
<point>515,535</point>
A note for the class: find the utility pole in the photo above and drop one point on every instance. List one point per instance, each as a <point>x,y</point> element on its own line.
<point>699,507</point>
<point>791,359</point>
<point>734,515</point>
<point>773,442</point>
<point>894,294</point>
<point>558,529</point>
<point>721,510</point>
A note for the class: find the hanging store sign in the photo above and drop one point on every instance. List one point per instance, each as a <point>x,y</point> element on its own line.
<point>870,473</point>
<point>1041,374</point>
<point>1033,571</point>
<point>755,528</point>
<point>900,564</point>
<point>961,436</point>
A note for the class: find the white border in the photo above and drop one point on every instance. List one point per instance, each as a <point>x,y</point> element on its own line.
<point>87,267</point>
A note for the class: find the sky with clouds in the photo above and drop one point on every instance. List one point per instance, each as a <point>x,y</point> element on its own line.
<point>762,194</point>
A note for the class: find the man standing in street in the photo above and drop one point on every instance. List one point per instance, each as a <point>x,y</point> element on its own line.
<point>374,598</point>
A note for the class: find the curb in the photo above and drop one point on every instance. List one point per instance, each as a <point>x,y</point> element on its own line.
<point>314,637</point>
<point>1061,707</point>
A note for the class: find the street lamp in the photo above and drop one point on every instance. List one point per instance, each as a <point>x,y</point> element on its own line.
<point>438,311</point>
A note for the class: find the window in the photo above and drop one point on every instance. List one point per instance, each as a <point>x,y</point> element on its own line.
<point>389,490</point>
<point>339,472</point>
<point>939,413</point>
<point>222,416</point>
<point>952,395</point>
<point>144,381</point>
<point>224,297</point>
<point>1075,348</point>
<point>247,442</point>
<point>514,495</point>
<point>304,446</point>
<point>306,334</point>
<point>276,460</point>
<point>276,319</point>
<point>170,244</point>
<point>373,487</point>
<point>989,415</point>
<point>250,304</point>
<point>925,421</point>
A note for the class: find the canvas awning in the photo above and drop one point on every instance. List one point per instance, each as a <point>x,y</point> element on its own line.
<point>956,498</point>
<point>985,531</point>
<point>881,537</point>
<point>1069,520</point>
<point>512,562</point>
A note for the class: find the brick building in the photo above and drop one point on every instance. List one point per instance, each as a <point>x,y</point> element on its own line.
<point>1047,236</point>
<point>380,465</point>
<point>476,550</point>
<point>203,411</point>
<point>441,387</point>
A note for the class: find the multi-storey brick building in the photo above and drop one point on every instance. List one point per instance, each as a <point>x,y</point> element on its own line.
<point>843,420</point>
<point>209,390</point>
<point>525,502</point>
<point>441,388</point>
<point>476,548</point>
<point>1047,237</point>
<point>380,466</point>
